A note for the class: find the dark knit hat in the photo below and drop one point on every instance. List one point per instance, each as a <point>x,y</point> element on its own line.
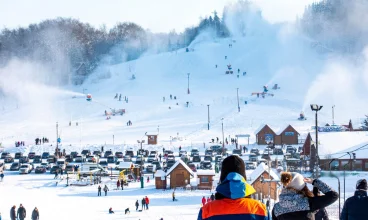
<point>361,184</point>
<point>230,164</point>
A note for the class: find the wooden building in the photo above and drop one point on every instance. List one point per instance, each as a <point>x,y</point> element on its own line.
<point>205,179</point>
<point>263,188</point>
<point>288,136</point>
<point>160,179</point>
<point>265,135</point>
<point>180,174</point>
<point>152,139</point>
<point>307,145</point>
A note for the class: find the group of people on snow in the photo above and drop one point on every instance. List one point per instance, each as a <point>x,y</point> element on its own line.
<point>208,200</point>
<point>40,141</point>
<point>129,123</point>
<point>19,143</point>
<point>21,213</point>
<point>105,189</point>
<point>144,202</point>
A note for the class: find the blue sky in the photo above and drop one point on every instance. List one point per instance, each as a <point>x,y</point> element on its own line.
<point>156,15</point>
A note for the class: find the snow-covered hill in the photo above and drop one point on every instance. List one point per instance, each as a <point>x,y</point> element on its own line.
<point>273,54</point>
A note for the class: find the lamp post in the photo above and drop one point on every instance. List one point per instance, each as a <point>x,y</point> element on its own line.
<point>345,170</point>
<point>141,167</point>
<point>57,139</point>
<point>338,184</point>
<point>208,114</point>
<point>188,83</point>
<point>223,137</point>
<point>237,95</point>
<point>333,115</point>
<point>316,108</point>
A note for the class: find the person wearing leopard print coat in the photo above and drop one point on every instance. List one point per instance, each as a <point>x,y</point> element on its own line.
<point>296,201</point>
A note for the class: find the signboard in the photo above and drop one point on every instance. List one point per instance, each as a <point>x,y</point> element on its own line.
<point>268,137</point>
<point>289,133</point>
<point>335,128</point>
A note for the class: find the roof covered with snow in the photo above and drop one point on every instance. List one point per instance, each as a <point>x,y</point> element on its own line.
<point>259,128</point>
<point>177,164</point>
<point>160,173</point>
<point>206,173</point>
<point>360,150</point>
<point>258,172</point>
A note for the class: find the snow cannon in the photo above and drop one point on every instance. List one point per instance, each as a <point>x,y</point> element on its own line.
<point>89,97</point>
<point>302,117</point>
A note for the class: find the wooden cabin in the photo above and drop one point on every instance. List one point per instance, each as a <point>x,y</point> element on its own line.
<point>205,179</point>
<point>152,139</point>
<point>263,188</point>
<point>160,179</point>
<point>307,145</point>
<point>180,174</point>
<point>265,135</point>
<point>288,136</point>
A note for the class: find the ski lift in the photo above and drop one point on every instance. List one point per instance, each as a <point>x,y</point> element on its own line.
<point>89,97</point>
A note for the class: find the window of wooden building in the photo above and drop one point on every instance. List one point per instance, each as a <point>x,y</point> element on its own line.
<point>204,179</point>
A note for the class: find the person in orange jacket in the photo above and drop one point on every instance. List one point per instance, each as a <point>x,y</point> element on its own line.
<point>147,202</point>
<point>233,195</point>
<point>203,201</point>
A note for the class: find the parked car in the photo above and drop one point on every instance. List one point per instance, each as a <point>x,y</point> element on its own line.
<point>23,159</point>
<point>92,159</point>
<point>108,153</point>
<point>111,159</point>
<point>206,165</point>
<point>250,165</point>
<point>218,158</point>
<point>18,155</point>
<point>168,152</point>
<point>45,155</point>
<point>37,159</point>
<point>170,157</point>
<point>129,153</point>
<point>139,160</point>
<point>253,157</point>
<point>103,163</point>
<point>278,151</point>
<point>73,154</point>
<point>40,169</point>
<point>15,166</point>
<point>51,159</point>
<point>97,153</point>
<point>153,152</point>
<point>4,155</point>
<point>151,158</point>
<point>209,152</point>
<point>192,166</point>
<point>169,164</point>
<point>86,152</point>
<point>79,159</point>
<point>254,151</point>
<point>157,164</point>
<point>8,159</point>
<point>267,151</point>
<point>196,158</point>
<point>61,163</point>
<point>150,168</point>
<point>127,158</point>
<point>69,168</point>
<point>208,158</point>
<point>68,158</point>
<point>119,154</point>
<point>46,165</point>
<point>54,169</point>
<point>183,152</point>
<point>194,152</point>
<point>237,151</point>
<point>25,169</point>
<point>31,155</point>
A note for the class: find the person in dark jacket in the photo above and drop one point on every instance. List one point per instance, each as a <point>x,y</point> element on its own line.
<point>35,214</point>
<point>322,213</point>
<point>136,205</point>
<point>212,197</point>
<point>232,198</point>
<point>21,213</point>
<point>143,204</point>
<point>296,201</point>
<point>356,206</point>
<point>105,190</point>
<point>99,191</point>
<point>13,214</point>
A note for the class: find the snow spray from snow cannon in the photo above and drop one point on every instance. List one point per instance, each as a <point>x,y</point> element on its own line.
<point>89,97</point>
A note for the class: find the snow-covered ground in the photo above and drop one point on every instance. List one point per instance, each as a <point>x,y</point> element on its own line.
<point>273,54</point>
